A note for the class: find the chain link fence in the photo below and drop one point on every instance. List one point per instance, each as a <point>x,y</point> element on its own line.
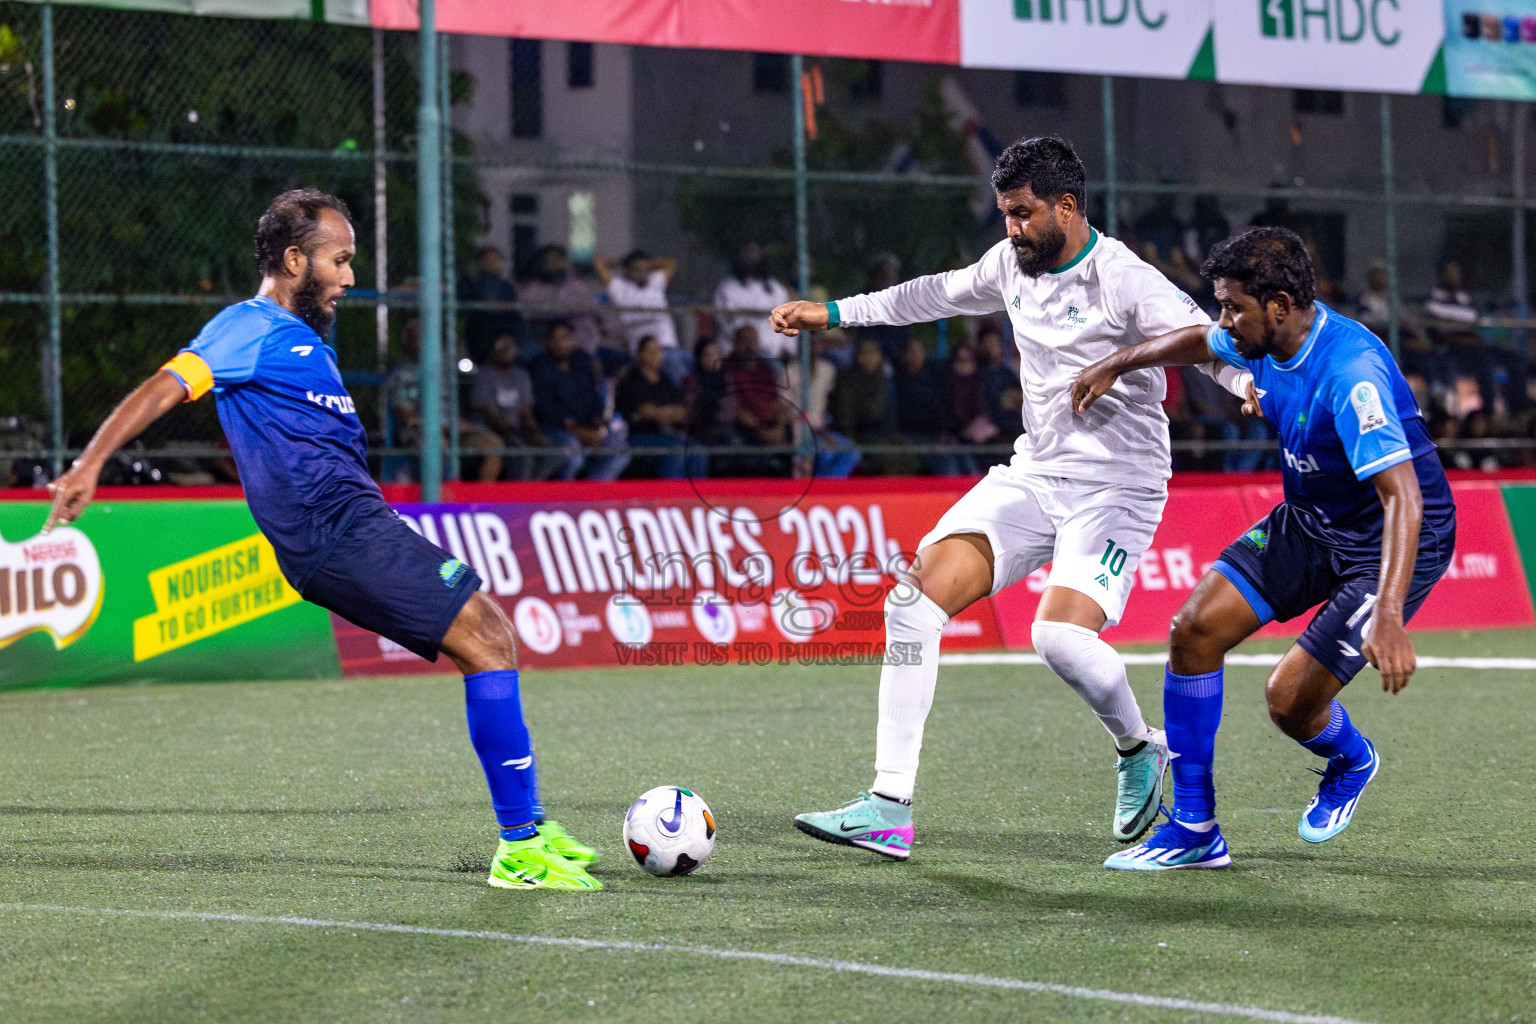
<point>167,135</point>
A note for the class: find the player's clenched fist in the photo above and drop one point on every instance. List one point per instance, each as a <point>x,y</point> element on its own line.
<point>793,317</point>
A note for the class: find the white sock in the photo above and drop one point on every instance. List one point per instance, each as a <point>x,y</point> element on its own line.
<point>907,682</point>
<point>1092,668</point>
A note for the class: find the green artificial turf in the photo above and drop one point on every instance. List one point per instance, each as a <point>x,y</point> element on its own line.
<point>362,801</point>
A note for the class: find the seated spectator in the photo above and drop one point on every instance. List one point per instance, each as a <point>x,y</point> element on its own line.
<point>548,280</point>
<point>965,415</point>
<point>864,409</point>
<point>489,283</point>
<point>1005,396</point>
<point>707,393</point>
<point>922,401</point>
<point>502,397</point>
<point>569,407</point>
<point>836,457</point>
<point>885,272</point>
<point>653,407</point>
<point>641,284</point>
<point>762,415</point>
<point>749,294</point>
<point>402,390</point>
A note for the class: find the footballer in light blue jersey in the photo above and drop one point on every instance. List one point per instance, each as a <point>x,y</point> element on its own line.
<point>1367,528</point>
<point>302,456</point>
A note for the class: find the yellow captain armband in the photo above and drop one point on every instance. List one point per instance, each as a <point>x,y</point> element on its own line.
<point>194,374</point>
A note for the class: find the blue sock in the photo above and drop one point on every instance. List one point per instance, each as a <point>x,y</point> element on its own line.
<point>1340,739</point>
<point>1191,715</point>
<point>533,780</point>
<point>500,738</point>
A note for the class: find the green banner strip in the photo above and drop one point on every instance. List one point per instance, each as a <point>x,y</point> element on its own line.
<point>1520,504</point>
<point>187,591</point>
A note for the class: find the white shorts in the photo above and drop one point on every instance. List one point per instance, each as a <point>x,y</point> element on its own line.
<point>1092,533</point>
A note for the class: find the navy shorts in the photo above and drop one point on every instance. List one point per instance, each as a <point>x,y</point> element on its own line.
<point>387,578</point>
<point>1282,571</point>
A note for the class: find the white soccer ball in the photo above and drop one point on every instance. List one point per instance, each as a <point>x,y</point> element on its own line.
<point>669,830</point>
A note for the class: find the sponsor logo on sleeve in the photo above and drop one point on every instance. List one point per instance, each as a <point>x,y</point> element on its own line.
<point>1368,409</point>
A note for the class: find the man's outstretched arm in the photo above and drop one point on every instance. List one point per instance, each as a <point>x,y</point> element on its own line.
<point>149,401</point>
<point>971,291</point>
<point>1186,346</point>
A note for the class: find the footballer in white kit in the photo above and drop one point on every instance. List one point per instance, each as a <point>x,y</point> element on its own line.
<point>1082,492</point>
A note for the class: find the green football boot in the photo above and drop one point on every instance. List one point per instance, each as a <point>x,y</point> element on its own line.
<point>567,845</point>
<point>535,864</point>
<point>1139,790</point>
<point>871,822</point>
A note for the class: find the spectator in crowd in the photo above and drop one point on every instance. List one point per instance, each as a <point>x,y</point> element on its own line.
<point>640,284</point>
<point>502,396</point>
<point>836,457</point>
<point>653,407</point>
<point>1207,227</point>
<point>966,416</point>
<point>885,272</point>
<point>922,406</point>
<point>570,408</point>
<point>1160,238</point>
<point>402,389</point>
<point>1470,352</point>
<point>750,293</point>
<point>707,394</point>
<point>489,283</point>
<point>864,408</point>
<point>549,280</point>
<point>763,417</point>
<point>1000,383</point>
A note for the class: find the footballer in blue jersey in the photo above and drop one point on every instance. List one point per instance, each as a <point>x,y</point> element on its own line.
<point>1367,528</point>
<point>302,456</point>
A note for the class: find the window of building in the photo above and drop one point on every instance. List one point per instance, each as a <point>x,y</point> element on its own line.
<point>1318,101</point>
<point>770,72</point>
<point>527,89</point>
<point>525,228</point>
<point>1039,89</point>
<point>866,79</point>
<point>578,65</point>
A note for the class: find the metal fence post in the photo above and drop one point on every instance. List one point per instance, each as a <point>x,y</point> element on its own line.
<point>53,366</point>
<point>1111,175</point>
<point>1520,286</point>
<point>380,212</point>
<point>429,215</point>
<point>802,241</point>
<point>450,264</point>
<point>1388,188</point>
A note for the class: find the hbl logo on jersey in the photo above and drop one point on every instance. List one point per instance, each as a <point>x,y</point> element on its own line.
<point>1305,464</point>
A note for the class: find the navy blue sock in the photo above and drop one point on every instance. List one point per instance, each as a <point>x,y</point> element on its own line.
<point>1191,716</point>
<point>1340,739</point>
<point>500,737</point>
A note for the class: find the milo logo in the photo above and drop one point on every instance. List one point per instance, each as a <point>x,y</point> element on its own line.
<point>51,583</point>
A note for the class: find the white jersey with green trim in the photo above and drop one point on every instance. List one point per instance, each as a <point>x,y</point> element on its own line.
<point>1063,321</point>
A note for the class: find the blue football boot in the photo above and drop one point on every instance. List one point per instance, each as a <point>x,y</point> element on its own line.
<point>1171,847</point>
<point>1331,811</point>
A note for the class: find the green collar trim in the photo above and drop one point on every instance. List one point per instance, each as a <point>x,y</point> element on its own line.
<point>1093,239</point>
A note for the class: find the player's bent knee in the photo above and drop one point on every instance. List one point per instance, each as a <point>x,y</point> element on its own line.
<point>912,616</point>
<point>1288,709</point>
<point>481,638</point>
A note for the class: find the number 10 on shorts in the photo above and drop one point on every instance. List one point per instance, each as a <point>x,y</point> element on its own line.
<point>1114,558</point>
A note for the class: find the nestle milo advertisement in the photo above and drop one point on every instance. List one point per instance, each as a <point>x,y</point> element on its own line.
<point>151,590</point>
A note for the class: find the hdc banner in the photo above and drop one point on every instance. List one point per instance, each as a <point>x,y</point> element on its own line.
<point>1143,38</point>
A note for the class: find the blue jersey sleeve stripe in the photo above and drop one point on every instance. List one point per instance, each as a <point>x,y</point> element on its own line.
<point>1385,462</point>
<point>1250,592</point>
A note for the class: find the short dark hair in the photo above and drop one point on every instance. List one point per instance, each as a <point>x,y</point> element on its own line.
<point>1265,262</point>
<point>1047,164</point>
<point>292,219</point>
<point>554,325</point>
<point>635,254</point>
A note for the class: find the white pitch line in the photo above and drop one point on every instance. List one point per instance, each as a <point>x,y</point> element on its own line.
<point>776,959</point>
<point>1261,660</point>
